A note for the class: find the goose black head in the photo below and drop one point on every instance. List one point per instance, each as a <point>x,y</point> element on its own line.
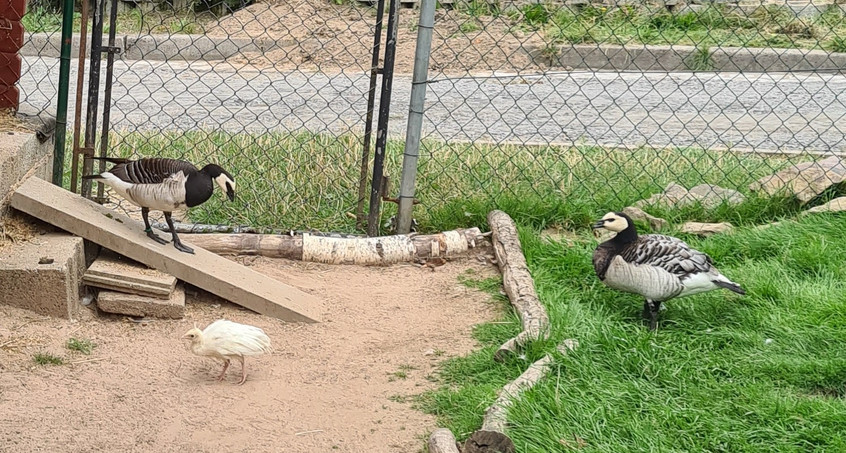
<point>222,178</point>
<point>618,223</point>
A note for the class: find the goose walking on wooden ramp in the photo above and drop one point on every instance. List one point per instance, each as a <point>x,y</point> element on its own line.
<point>164,185</point>
<point>654,266</point>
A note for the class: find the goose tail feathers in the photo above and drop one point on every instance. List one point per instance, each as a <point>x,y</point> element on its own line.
<point>731,286</point>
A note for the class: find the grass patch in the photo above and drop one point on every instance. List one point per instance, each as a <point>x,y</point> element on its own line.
<point>764,372</point>
<point>714,25</point>
<point>80,345</point>
<point>45,358</point>
<point>305,180</point>
<point>41,19</point>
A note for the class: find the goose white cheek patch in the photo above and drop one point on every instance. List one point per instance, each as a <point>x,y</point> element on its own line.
<point>222,180</point>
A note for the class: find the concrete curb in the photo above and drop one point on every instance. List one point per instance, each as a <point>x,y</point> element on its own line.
<point>686,58</point>
<point>594,57</point>
<point>158,47</point>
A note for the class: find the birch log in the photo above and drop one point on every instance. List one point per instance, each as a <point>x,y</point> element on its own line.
<point>491,437</point>
<point>442,441</point>
<point>518,283</point>
<point>340,250</point>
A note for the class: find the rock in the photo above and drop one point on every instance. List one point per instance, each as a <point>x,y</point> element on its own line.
<point>638,214</point>
<point>708,195</point>
<point>805,181</point>
<point>836,205</point>
<point>706,229</point>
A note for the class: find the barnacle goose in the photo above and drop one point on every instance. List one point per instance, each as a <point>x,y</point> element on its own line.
<point>164,185</point>
<point>655,266</point>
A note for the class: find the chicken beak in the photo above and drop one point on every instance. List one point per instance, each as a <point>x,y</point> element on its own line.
<point>599,224</point>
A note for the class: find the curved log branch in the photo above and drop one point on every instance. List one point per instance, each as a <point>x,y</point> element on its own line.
<point>518,284</point>
<point>491,437</point>
<point>442,441</point>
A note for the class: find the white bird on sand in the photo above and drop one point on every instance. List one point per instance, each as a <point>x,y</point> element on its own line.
<point>226,340</point>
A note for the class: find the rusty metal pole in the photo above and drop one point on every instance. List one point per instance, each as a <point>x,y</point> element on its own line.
<point>80,80</point>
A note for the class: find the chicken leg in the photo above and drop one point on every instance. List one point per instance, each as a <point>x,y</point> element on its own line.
<point>223,373</point>
<point>243,371</point>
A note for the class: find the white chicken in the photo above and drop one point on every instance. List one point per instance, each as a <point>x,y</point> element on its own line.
<point>226,340</point>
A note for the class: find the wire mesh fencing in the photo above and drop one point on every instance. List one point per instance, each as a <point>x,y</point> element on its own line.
<point>572,109</point>
<point>554,110</point>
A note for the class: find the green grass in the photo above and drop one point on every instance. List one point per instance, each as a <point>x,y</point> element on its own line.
<point>297,181</point>
<point>45,20</point>
<point>45,358</point>
<point>717,25</point>
<point>765,372</point>
<point>80,345</point>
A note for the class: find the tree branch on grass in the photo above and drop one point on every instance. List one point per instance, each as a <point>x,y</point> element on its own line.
<point>341,250</point>
<point>518,284</point>
<point>491,438</point>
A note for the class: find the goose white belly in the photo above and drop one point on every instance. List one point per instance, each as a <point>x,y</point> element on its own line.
<point>168,196</point>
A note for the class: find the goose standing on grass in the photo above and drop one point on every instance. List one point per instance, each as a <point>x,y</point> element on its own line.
<point>226,340</point>
<point>654,266</point>
<point>164,185</point>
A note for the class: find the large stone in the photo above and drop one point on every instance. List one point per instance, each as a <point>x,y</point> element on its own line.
<point>656,223</point>
<point>676,196</point>
<point>143,306</point>
<point>706,229</point>
<point>836,205</point>
<point>44,274</point>
<point>805,181</point>
<point>22,155</point>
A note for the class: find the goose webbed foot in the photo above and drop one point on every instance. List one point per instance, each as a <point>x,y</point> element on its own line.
<point>155,237</point>
<point>176,242</point>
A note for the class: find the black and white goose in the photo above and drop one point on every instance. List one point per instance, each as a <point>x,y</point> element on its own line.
<point>165,185</point>
<point>655,266</point>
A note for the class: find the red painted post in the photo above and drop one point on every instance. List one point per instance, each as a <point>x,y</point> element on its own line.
<point>11,41</point>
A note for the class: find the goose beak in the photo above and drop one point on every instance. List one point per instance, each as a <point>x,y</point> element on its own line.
<point>599,224</point>
<point>230,194</point>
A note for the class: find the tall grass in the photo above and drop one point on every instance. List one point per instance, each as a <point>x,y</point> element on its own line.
<point>311,181</point>
<point>765,372</point>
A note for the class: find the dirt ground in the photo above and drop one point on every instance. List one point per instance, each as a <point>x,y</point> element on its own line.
<point>341,385</point>
<point>321,35</point>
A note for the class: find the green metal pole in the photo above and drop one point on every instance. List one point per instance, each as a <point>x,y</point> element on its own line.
<point>64,87</point>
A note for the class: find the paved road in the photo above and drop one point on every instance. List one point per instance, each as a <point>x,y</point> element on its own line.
<point>761,111</point>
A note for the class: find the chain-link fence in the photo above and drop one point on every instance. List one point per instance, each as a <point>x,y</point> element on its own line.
<point>551,110</point>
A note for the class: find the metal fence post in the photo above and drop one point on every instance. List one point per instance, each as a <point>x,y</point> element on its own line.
<point>415,114</point>
<point>382,125</point>
<point>64,87</point>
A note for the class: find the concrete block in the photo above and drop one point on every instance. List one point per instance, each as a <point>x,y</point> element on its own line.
<point>22,155</point>
<point>50,45</point>
<point>113,272</point>
<point>143,306</point>
<point>51,288</point>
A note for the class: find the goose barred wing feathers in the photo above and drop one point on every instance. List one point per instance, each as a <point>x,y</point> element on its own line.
<point>152,170</point>
<point>669,253</point>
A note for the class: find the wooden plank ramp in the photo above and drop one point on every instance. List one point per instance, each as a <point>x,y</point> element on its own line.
<point>213,273</point>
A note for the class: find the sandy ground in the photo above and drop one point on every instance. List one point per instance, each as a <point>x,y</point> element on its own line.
<point>335,386</point>
<point>321,35</point>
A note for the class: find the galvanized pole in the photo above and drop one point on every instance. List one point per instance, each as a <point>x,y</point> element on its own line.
<point>415,115</point>
<point>382,126</point>
<point>64,87</point>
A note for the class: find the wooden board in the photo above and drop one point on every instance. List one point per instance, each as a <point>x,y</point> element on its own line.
<point>109,271</point>
<point>204,269</point>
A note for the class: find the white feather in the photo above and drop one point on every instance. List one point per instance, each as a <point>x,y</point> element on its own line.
<point>167,196</point>
<point>224,339</point>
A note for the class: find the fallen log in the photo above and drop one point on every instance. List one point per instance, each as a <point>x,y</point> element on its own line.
<point>442,441</point>
<point>491,438</point>
<point>341,250</point>
<point>518,284</point>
